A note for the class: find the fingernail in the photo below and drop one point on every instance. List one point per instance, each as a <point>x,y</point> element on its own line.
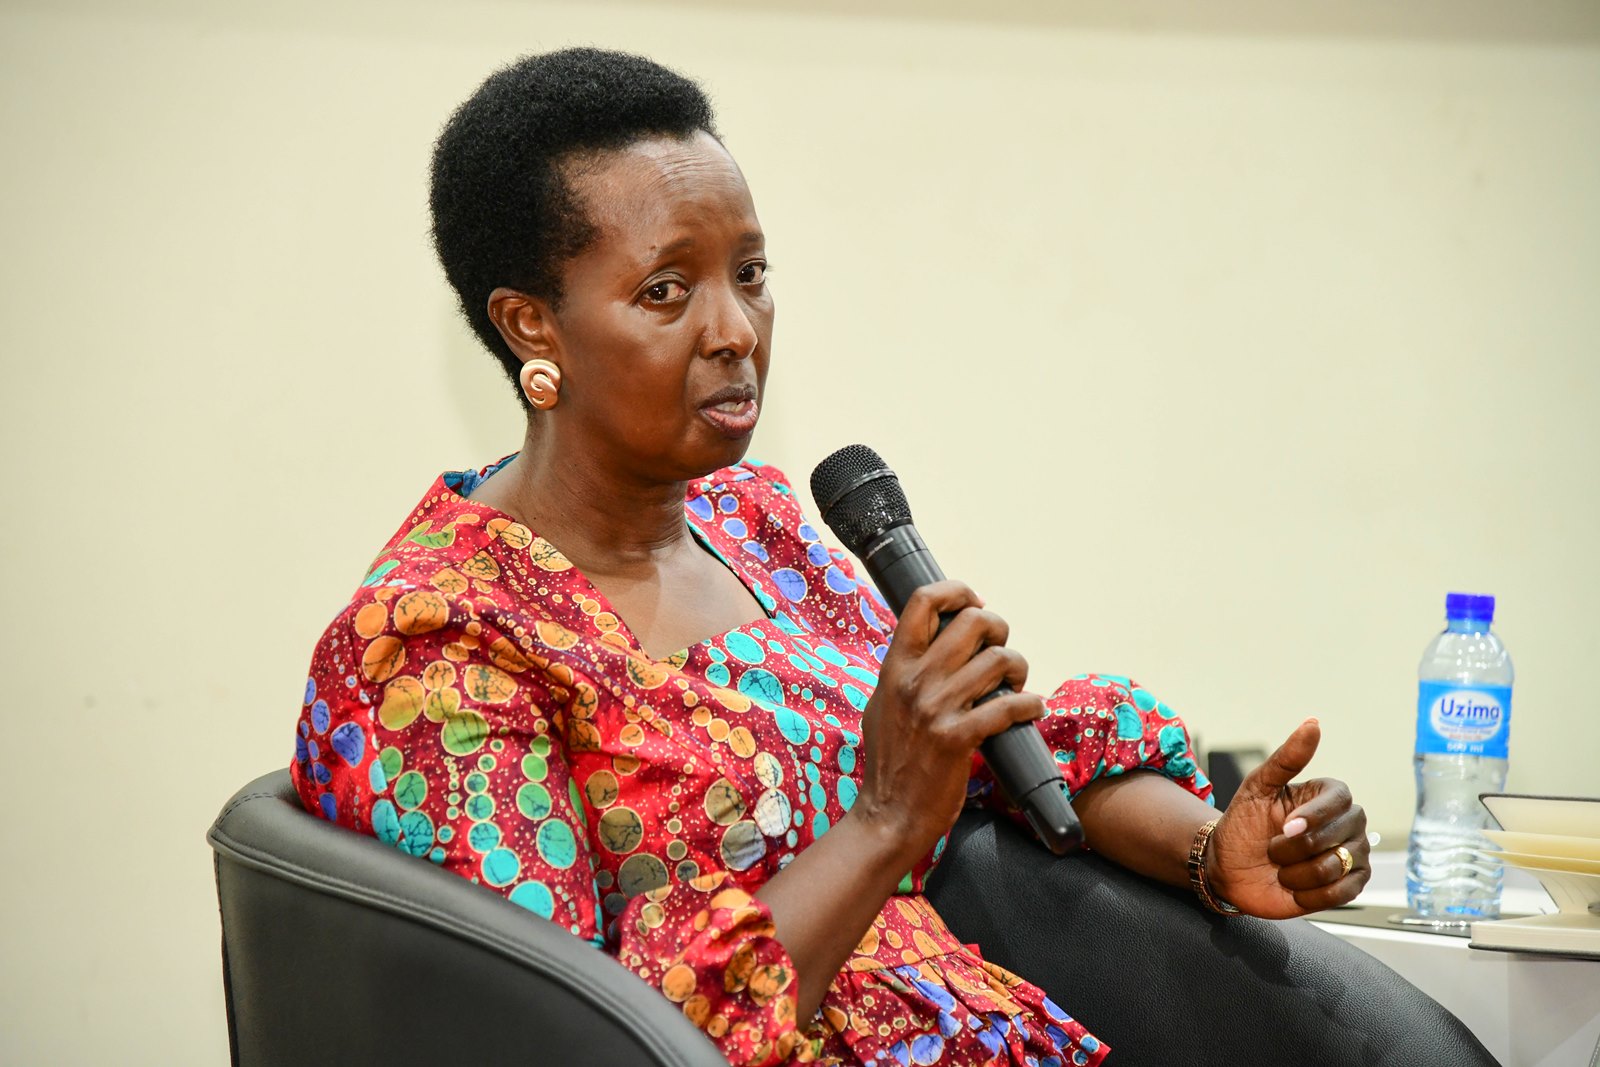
<point>1294,827</point>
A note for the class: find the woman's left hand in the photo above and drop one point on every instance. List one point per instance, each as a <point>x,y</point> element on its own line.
<point>1275,851</point>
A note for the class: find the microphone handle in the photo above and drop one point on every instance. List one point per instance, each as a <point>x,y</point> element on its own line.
<point>900,564</point>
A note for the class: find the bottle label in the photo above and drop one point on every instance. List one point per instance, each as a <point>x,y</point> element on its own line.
<point>1463,720</point>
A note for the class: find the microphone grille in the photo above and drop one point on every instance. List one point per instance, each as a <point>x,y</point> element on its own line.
<point>859,496</point>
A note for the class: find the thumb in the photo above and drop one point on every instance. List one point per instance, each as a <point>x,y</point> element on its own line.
<point>1288,761</point>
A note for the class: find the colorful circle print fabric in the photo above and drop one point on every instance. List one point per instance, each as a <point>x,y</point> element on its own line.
<point>479,706</point>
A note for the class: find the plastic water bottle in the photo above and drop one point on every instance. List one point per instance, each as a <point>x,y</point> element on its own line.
<point>1463,734</point>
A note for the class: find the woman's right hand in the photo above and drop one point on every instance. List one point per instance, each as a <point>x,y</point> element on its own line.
<point>920,729</point>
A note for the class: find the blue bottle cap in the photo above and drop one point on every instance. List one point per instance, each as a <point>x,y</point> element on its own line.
<point>1469,606</point>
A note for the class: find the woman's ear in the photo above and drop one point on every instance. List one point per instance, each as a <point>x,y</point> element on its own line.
<point>524,322</point>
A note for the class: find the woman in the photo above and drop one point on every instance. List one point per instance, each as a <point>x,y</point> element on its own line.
<point>617,677</point>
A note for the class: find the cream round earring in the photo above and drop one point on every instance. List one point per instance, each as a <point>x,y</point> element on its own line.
<point>541,382</point>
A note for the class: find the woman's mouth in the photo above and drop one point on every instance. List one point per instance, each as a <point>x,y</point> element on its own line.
<point>734,417</point>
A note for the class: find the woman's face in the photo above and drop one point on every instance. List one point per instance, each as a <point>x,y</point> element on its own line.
<point>665,330</point>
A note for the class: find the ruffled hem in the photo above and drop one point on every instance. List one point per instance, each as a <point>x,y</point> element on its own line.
<point>954,1010</point>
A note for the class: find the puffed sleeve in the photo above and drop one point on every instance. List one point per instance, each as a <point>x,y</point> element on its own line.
<point>430,724</point>
<point>1103,724</point>
<point>431,730</point>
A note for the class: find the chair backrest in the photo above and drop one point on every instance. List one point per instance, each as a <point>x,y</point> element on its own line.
<point>339,949</point>
<point>1161,980</point>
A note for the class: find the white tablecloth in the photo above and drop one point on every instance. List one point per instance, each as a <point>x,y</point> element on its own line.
<point>1529,1011</point>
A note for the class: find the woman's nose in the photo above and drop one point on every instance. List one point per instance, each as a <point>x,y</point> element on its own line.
<point>728,331</point>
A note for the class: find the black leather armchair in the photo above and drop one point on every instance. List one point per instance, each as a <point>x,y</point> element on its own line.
<point>339,949</point>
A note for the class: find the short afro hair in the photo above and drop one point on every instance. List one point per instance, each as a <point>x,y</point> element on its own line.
<point>503,213</point>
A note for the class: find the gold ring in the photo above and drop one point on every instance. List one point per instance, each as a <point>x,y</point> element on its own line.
<point>1346,861</point>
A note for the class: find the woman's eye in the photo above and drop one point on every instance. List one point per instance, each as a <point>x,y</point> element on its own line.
<point>664,292</point>
<point>753,273</point>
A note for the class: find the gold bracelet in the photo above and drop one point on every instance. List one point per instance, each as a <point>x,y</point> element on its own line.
<point>1197,872</point>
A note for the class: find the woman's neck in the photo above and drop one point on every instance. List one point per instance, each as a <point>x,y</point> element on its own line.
<point>604,522</point>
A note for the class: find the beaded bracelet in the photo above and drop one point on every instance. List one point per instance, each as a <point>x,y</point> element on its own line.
<point>1197,872</point>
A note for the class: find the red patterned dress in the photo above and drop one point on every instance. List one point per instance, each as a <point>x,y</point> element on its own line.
<point>479,706</point>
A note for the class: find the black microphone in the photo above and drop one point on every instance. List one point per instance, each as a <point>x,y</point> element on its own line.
<point>862,502</point>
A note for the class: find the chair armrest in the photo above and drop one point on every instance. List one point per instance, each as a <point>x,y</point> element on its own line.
<point>342,949</point>
<point>1161,980</point>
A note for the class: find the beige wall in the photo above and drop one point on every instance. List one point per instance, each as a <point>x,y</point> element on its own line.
<point>1214,349</point>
